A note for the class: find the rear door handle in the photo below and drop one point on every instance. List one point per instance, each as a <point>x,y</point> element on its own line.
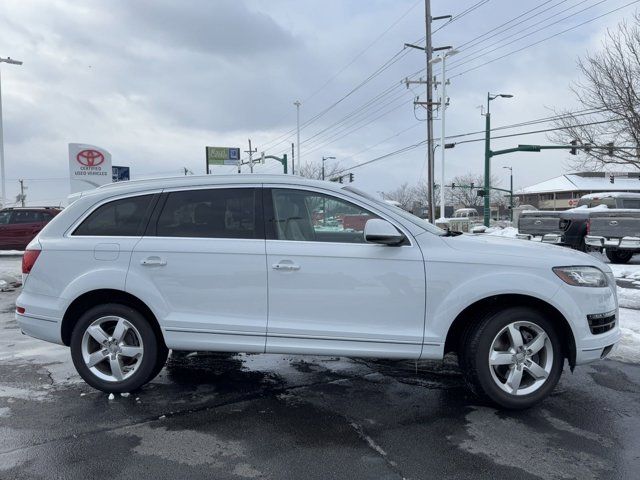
<point>285,267</point>
<point>153,261</point>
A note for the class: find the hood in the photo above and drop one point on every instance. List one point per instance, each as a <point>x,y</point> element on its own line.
<point>497,250</point>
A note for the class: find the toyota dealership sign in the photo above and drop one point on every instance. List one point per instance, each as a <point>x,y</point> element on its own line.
<point>89,167</point>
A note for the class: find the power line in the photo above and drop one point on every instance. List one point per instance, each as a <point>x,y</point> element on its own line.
<point>354,59</point>
<point>461,15</point>
<point>545,39</point>
<point>483,48</point>
<point>419,144</point>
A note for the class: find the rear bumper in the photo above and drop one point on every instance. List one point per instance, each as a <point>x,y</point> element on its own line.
<point>553,238</point>
<point>40,327</point>
<point>624,243</point>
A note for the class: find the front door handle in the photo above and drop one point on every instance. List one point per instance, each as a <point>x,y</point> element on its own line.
<point>153,261</point>
<point>285,267</point>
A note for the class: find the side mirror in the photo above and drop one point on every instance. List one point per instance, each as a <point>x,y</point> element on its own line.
<point>380,231</point>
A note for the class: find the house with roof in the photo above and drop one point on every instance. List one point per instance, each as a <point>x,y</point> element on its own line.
<point>563,192</point>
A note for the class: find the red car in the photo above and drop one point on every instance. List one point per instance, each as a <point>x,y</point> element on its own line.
<point>19,225</point>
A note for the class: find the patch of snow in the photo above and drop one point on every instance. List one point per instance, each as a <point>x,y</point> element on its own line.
<point>629,298</point>
<point>628,349</point>
<point>111,396</point>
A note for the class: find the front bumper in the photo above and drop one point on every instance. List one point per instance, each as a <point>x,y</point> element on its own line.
<point>624,243</point>
<point>578,304</point>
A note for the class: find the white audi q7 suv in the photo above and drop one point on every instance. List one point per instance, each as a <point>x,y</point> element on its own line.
<point>280,264</point>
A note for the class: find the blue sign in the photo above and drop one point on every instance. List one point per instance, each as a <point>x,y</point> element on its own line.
<point>120,174</point>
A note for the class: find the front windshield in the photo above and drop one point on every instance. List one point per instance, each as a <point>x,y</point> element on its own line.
<point>422,223</point>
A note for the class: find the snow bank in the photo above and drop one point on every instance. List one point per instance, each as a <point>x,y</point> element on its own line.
<point>628,350</point>
<point>502,232</point>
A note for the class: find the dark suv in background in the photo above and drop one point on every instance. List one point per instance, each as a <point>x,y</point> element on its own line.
<point>19,225</point>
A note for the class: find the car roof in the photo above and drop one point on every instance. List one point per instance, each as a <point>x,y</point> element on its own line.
<point>133,186</point>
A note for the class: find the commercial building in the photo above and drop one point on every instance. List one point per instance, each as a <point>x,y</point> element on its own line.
<point>563,192</point>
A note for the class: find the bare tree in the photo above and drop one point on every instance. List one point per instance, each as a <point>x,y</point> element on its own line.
<point>404,195</point>
<point>465,197</point>
<point>610,95</point>
<point>314,170</point>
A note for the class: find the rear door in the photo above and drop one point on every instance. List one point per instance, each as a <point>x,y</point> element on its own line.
<point>329,290</point>
<point>201,264</point>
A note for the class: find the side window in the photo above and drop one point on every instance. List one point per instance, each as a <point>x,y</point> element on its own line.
<point>214,213</point>
<point>311,216</point>
<point>630,203</point>
<point>121,218</point>
<point>4,217</point>
<point>24,217</point>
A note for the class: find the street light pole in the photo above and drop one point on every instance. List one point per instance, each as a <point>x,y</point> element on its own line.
<point>324,159</point>
<point>511,195</point>
<point>10,61</point>
<point>297,104</point>
<point>443,105</point>
<point>487,157</point>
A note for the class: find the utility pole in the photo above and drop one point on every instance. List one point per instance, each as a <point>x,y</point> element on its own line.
<point>3,198</point>
<point>428,49</point>
<point>250,152</point>
<point>430,160</point>
<point>297,104</point>
<point>22,195</point>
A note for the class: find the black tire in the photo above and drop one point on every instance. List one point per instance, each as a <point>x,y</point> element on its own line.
<point>148,361</point>
<point>476,349</point>
<point>161,360</point>
<point>619,256</point>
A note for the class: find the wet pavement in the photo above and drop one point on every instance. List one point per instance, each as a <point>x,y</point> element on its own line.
<point>291,417</point>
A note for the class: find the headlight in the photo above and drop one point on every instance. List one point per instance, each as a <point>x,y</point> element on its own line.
<point>582,276</point>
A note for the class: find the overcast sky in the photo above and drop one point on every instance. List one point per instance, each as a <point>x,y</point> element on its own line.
<point>154,81</point>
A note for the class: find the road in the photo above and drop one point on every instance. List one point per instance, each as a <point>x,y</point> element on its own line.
<point>289,417</point>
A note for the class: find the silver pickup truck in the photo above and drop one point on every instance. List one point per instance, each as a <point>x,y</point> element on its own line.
<point>617,231</point>
<point>572,227</point>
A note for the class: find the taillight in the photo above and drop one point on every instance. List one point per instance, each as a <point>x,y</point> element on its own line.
<point>588,226</point>
<point>20,310</point>
<point>28,260</point>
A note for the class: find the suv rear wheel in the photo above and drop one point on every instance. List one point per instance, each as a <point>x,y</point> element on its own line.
<point>513,357</point>
<point>114,349</point>
<point>619,256</point>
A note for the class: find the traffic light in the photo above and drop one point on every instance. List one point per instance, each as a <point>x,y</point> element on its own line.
<point>472,186</point>
<point>480,193</point>
<point>453,185</point>
<point>340,178</point>
<point>350,177</point>
<point>574,151</point>
<point>611,178</point>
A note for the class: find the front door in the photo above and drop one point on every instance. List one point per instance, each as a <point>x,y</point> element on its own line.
<point>202,265</point>
<point>331,292</point>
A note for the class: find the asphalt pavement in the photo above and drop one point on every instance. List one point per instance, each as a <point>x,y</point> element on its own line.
<point>292,417</point>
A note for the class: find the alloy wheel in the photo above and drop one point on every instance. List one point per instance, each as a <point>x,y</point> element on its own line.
<point>112,348</point>
<point>521,358</point>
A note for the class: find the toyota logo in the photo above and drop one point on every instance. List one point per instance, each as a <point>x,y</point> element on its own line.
<point>90,158</point>
<point>613,222</point>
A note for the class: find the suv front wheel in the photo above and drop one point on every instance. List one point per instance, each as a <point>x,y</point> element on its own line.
<point>513,357</point>
<point>114,349</point>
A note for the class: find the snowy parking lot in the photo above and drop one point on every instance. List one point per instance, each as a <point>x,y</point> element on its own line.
<point>282,416</point>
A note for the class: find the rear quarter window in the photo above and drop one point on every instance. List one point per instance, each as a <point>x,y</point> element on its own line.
<point>123,218</point>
